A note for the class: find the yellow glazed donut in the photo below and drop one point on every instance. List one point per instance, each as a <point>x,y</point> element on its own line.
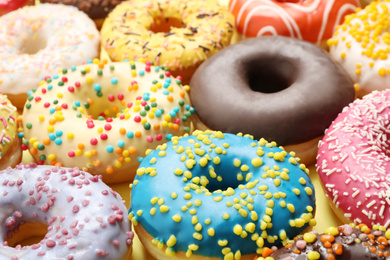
<point>103,117</point>
<point>37,41</point>
<point>10,144</point>
<point>178,34</point>
<point>361,46</point>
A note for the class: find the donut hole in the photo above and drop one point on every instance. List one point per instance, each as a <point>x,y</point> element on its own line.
<point>271,75</point>
<point>165,24</point>
<point>26,234</point>
<point>105,107</point>
<point>32,43</point>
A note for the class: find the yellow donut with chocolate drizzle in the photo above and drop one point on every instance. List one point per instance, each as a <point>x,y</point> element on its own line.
<point>214,195</point>
<point>178,34</point>
<point>103,117</point>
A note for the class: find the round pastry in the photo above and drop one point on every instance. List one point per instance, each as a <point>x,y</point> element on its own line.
<point>73,207</point>
<point>178,34</point>
<point>37,41</point>
<point>220,196</point>
<point>361,45</point>
<point>102,118</point>
<point>96,10</point>
<point>7,6</point>
<point>343,242</point>
<point>10,141</point>
<point>309,20</point>
<point>353,160</point>
<point>275,87</point>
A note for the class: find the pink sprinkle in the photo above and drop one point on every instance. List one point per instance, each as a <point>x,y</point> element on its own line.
<point>167,73</point>
<point>121,96</point>
<point>64,79</point>
<point>37,99</point>
<point>107,127</point>
<point>64,106</point>
<point>116,243</point>
<point>85,203</point>
<point>50,243</point>
<point>77,84</point>
<point>47,104</point>
<point>130,104</point>
<point>71,154</point>
<point>43,90</point>
<point>149,139</point>
<point>75,209</point>
<point>69,199</point>
<point>94,141</point>
<point>71,89</point>
<point>159,137</point>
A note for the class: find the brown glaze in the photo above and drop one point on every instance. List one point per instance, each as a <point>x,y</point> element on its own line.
<point>95,9</point>
<point>282,89</point>
<point>348,243</point>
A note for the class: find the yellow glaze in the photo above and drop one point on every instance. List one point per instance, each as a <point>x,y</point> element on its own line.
<point>103,117</point>
<point>178,34</point>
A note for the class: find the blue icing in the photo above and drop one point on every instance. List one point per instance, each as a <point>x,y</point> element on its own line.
<point>266,189</point>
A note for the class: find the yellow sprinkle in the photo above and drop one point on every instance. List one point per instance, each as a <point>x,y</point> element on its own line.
<point>302,181</point>
<point>176,218</point>
<point>217,198</point>
<point>187,196</point>
<point>164,208</point>
<point>197,236</point>
<point>254,216</point>
<point>198,227</point>
<point>211,232</point>
<point>309,191</point>
<point>173,195</point>
<point>216,160</point>
<point>222,242</point>
<point>313,255</point>
<point>291,207</point>
<point>236,162</point>
<point>296,191</point>
<point>194,220</point>
<point>225,216</point>
<point>250,227</point>
<point>237,229</point>
<point>260,242</point>
<point>332,231</point>
<point>171,241</point>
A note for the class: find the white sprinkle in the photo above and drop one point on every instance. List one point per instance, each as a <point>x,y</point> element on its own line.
<point>372,203</point>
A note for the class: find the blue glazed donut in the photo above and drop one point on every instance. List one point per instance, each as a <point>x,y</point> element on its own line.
<point>219,195</point>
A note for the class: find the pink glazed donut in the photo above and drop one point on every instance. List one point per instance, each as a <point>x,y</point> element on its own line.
<point>353,161</point>
<point>84,217</point>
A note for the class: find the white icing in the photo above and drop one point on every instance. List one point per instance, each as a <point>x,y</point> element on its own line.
<point>51,36</point>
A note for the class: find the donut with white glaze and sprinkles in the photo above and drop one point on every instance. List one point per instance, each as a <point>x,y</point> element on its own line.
<point>309,20</point>
<point>177,34</point>
<point>84,218</point>
<point>219,195</point>
<point>103,117</point>
<point>37,41</point>
<point>353,161</point>
<point>361,45</point>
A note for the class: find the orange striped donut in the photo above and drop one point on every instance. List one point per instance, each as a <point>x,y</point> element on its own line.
<point>309,20</point>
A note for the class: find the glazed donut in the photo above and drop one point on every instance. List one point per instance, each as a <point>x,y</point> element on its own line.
<point>7,6</point>
<point>96,10</point>
<point>10,141</point>
<point>219,196</point>
<point>360,45</point>
<point>75,207</point>
<point>353,160</point>
<point>37,41</point>
<point>102,118</point>
<point>343,242</point>
<point>178,34</point>
<point>309,20</point>
<point>274,88</point>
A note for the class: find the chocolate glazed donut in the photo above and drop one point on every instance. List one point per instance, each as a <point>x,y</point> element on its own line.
<point>282,89</point>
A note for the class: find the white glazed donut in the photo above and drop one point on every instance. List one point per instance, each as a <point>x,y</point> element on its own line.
<point>37,41</point>
<point>86,219</point>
